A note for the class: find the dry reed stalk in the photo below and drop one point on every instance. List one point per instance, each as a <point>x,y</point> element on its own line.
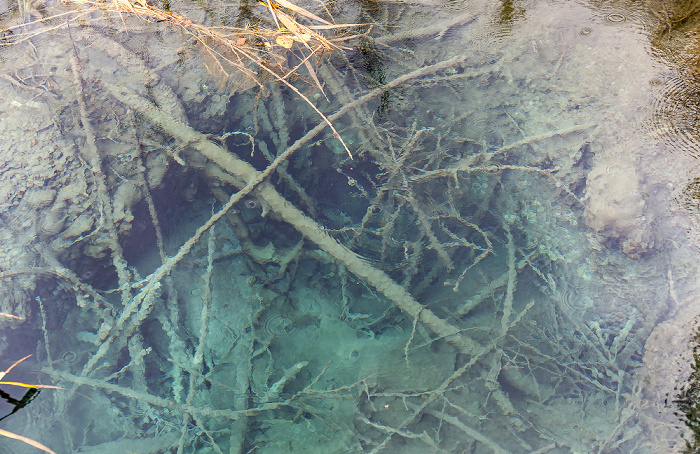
<point>26,440</point>
<point>2,314</point>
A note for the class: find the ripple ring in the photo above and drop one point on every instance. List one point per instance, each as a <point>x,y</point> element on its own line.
<point>615,17</point>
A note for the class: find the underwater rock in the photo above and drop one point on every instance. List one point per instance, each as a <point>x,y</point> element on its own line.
<point>51,223</point>
<point>669,360</point>
<point>125,197</point>
<point>614,205</point>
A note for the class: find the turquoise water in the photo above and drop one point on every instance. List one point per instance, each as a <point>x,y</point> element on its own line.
<point>506,264</point>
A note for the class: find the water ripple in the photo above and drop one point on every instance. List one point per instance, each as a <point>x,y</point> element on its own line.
<point>274,326</point>
<point>675,114</point>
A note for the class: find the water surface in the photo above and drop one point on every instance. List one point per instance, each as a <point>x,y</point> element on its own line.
<point>504,264</point>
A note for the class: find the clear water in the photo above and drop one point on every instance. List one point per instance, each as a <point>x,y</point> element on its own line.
<point>507,264</point>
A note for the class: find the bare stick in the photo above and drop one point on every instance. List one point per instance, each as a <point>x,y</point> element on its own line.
<point>92,156</point>
<point>197,367</point>
<point>438,29</point>
<point>164,403</point>
<point>476,435</point>
<point>428,231</point>
<point>273,394</point>
<point>43,330</point>
<point>510,288</point>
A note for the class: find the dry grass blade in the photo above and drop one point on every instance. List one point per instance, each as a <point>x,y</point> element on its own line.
<point>2,374</point>
<point>272,12</point>
<point>335,26</point>
<point>26,440</point>
<point>30,385</point>
<point>302,11</point>
<point>311,71</point>
<point>301,33</point>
